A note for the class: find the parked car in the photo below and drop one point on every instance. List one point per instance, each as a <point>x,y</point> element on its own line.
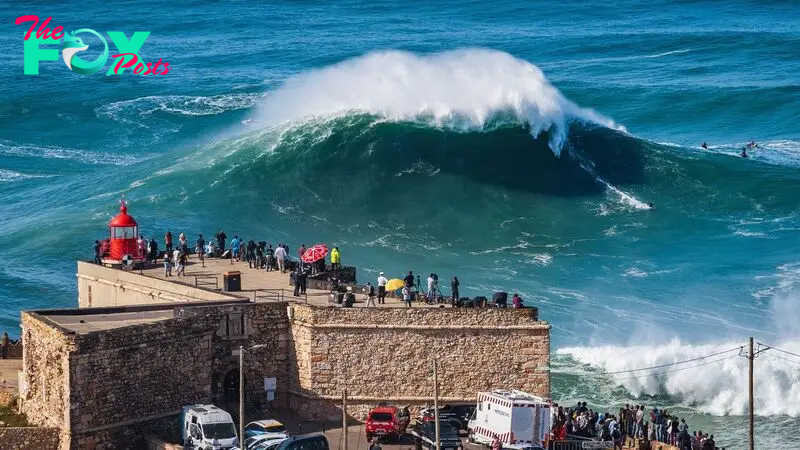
<point>425,436</point>
<point>256,442</point>
<point>268,444</point>
<point>458,414</point>
<point>305,442</point>
<point>264,427</point>
<point>388,422</point>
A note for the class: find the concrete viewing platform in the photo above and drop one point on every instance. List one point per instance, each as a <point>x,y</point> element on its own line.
<point>258,284</point>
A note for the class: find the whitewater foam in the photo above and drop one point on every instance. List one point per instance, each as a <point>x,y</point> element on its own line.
<point>464,90</point>
<point>715,384</point>
<point>10,175</point>
<point>185,105</point>
<point>9,148</point>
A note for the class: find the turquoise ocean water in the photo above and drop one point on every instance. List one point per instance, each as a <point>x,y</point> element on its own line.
<point>513,144</point>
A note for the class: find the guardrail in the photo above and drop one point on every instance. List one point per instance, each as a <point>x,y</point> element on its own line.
<point>206,280</point>
<point>581,445</point>
<point>268,295</point>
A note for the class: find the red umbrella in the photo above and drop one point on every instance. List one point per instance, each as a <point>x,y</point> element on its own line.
<point>314,253</point>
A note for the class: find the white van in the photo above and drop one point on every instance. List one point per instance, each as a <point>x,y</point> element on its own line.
<point>208,427</point>
<point>520,420</point>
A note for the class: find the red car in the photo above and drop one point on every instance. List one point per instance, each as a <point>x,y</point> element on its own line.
<point>387,422</point>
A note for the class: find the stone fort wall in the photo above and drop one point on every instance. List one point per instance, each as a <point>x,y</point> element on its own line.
<point>29,438</point>
<point>386,354</point>
<point>104,389</point>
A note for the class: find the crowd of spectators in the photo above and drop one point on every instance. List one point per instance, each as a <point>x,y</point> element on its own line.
<point>631,422</point>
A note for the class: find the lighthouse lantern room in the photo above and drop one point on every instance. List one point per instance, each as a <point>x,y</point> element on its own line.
<point>124,233</point>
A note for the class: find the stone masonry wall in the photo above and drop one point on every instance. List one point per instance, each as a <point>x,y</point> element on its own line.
<point>147,372</point>
<point>442,317</point>
<point>45,366</point>
<point>386,355</point>
<point>29,438</point>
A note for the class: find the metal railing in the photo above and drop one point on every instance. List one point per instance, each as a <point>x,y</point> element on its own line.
<point>206,280</point>
<point>268,295</point>
<point>581,445</point>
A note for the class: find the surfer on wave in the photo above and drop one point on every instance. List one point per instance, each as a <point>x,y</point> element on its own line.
<point>705,146</point>
<point>752,144</point>
<point>744,153</point>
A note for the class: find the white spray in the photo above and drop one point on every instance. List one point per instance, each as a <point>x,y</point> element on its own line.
<point>467,89</point>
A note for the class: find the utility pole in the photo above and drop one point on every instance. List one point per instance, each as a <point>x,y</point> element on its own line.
<point>750,357</point>
<point>436,404</point>
<point>241,396</point>
<point>344,409</point>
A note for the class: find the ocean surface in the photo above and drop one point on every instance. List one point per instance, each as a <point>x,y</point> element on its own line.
<point>512,144</point>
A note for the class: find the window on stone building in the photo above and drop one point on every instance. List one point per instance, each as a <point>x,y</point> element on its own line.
<point>234,325</point>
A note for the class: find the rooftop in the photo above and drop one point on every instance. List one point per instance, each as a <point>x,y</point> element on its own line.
<point>94,321</point>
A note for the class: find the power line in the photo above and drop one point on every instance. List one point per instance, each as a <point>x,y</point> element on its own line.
<point>677,370</point>
<point>676,363</point>
<point>785,359</point>
<point>769,347</point>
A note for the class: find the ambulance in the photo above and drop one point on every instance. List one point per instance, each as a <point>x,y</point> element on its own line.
<point>520,420</point>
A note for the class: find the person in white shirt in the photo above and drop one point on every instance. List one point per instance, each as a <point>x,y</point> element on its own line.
<point>382,288</point>
<point>280,255</point>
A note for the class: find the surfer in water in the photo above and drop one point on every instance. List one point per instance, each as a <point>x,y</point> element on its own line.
<point>705,146</point>
<point>744,153</point>
<point>651,205</point>
<point>752,144</point>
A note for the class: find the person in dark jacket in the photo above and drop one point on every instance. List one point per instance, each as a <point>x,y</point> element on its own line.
<point>221,237</point>
<point>97,253</point>
<point>454,288</point>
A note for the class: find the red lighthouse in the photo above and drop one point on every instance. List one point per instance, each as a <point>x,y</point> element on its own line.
<point>124,233</point>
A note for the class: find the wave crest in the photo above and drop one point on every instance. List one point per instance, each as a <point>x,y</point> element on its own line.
<point>464,90</point>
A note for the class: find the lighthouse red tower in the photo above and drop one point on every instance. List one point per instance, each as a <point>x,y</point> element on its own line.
<point>124,232</point>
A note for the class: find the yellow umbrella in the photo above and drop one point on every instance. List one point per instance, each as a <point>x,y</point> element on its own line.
<point>394,284</point>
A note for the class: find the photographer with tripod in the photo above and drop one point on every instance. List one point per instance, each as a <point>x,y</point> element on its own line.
<point>433,292</point>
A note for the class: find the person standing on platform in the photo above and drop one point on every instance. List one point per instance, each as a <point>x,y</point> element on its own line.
<point>382,288</point>
<point>200,246</point>
<point>336,259</point>
<point>370,291</point>
<point>296,279</point>
<point>97,259</point>
<point>221,237</point>
<point>303,280</point>
<point>300,252</point>
<point>168,242</point>
<point>167,265</point>
<point>235,247</point>
<point>280,255</point>
<point>407,296</point>
<point>454,289</point>
<point>182,264</point>
<point>141,246</point>
<point>4,345</point>
<point>152,249</point>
